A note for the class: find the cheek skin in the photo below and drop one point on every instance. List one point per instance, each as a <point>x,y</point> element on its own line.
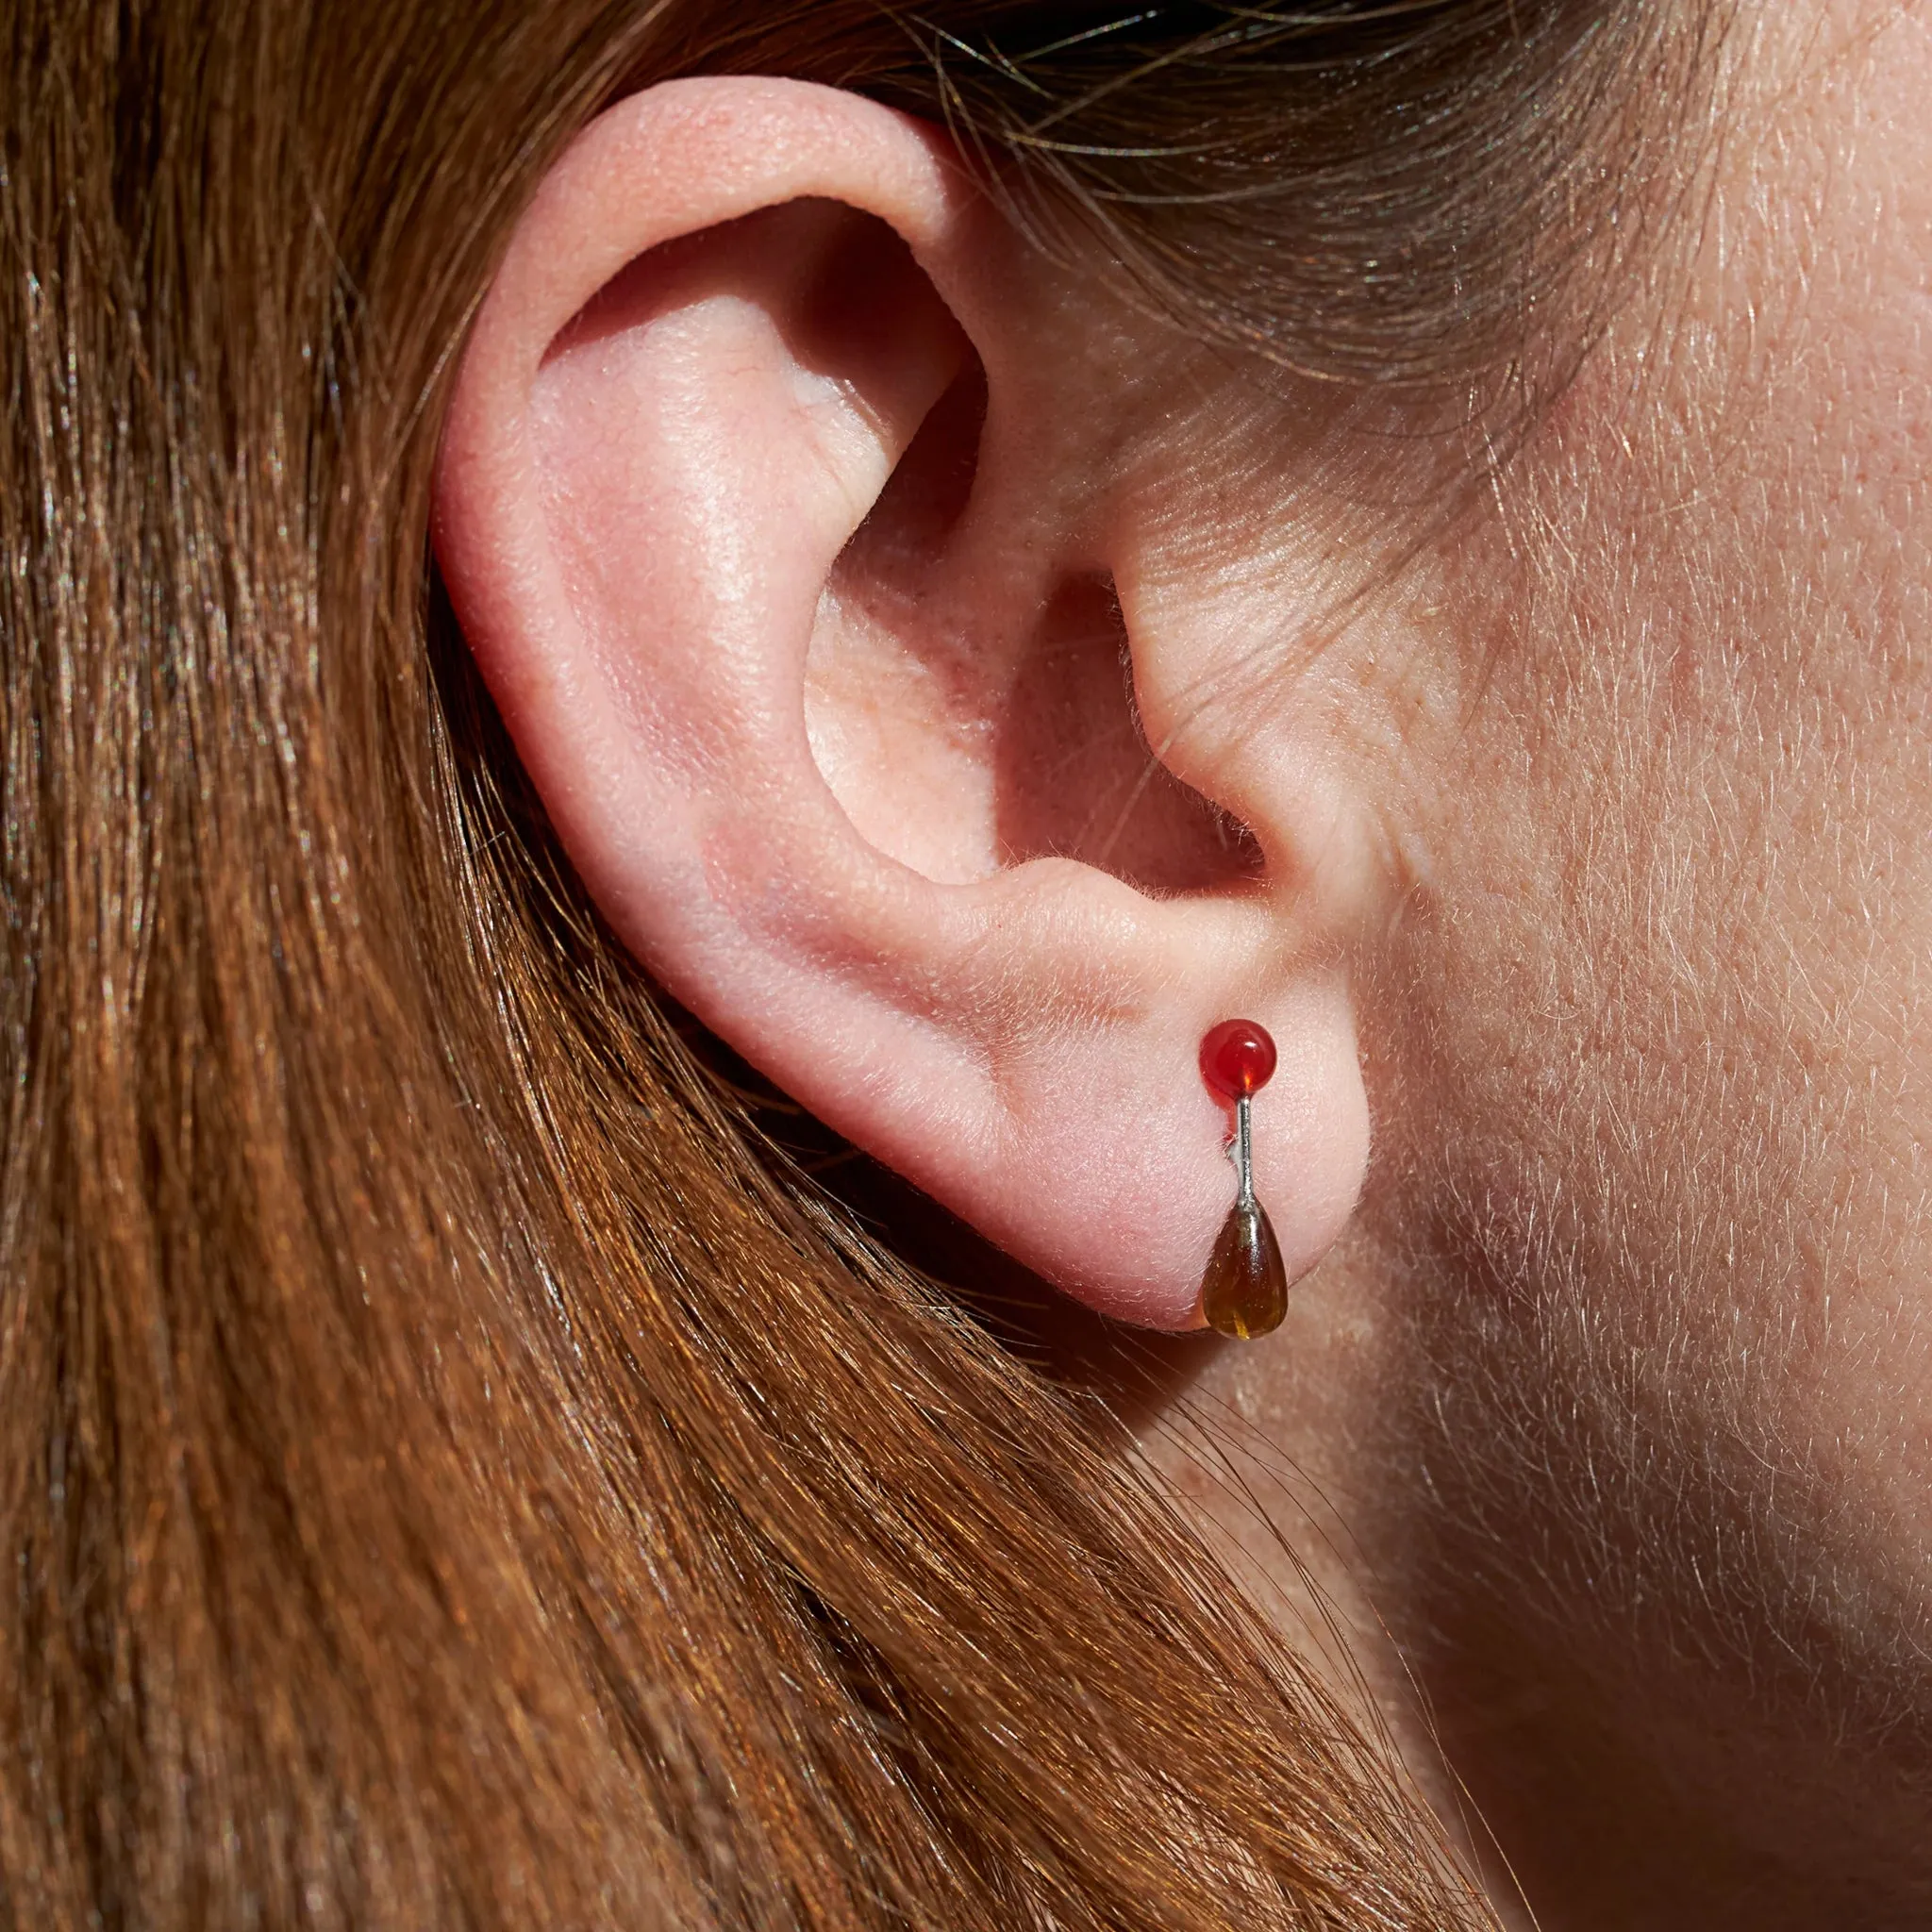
<point>1728,804</point>
<point>1651,1440</point>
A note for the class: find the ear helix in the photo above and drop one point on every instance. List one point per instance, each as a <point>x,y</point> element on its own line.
<point>1244,1291</point>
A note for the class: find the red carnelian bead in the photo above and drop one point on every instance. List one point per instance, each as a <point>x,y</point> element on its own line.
<point>1238,1058</point>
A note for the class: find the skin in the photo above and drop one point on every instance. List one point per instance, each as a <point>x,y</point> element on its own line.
<point>1620,1380</point>
<point>1586,895</point>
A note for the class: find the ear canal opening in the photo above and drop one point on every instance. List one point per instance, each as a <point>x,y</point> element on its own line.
<point>962,740</point>
<point>928,491</point>
<point>1078,777</point>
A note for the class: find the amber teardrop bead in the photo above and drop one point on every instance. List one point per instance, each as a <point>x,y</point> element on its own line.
<point>1244,1291</point>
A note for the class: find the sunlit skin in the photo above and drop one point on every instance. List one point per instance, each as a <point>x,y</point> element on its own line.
<point>1586,861</point>
<point>1622,1376</point>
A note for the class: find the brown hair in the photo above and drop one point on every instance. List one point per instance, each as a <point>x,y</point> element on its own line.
<point>454,1469</point>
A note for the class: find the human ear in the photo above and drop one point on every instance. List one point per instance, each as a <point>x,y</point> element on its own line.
<point>773,456</point>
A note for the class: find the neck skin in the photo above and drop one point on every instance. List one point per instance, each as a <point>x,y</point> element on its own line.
<point>1593,1781</point>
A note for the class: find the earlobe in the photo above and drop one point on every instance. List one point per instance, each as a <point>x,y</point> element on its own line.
<point>722,325</point>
